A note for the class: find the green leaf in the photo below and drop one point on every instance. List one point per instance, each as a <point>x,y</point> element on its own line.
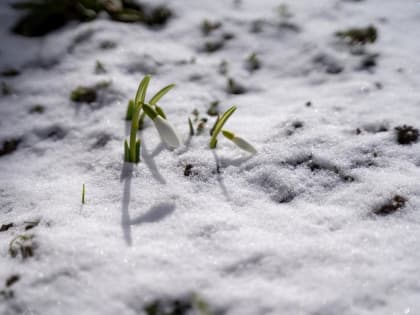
<point>126,152</point>
<point>228,134</point>
<point>149,111</point>
<point>138,151</point>
<point>218,127</point>
<point>160,94</point>
<point>133,133</point>
<point>141,120</point>
<point>160,111</point>
<point>141,91</point>
<point>130,109</point>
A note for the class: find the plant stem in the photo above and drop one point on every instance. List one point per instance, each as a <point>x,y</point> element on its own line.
<point>133,132</point>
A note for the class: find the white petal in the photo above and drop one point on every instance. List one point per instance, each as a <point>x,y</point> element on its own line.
<point>244,145</point>
<point>167,132</point>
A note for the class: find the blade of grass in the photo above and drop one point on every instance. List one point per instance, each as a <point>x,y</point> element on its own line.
<point>83,193</point>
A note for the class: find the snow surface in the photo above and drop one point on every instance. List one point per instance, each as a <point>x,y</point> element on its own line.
<point>266,234</point>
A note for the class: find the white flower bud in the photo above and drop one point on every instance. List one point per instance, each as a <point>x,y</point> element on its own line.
<point>244,145</point>
<point>167,133</point>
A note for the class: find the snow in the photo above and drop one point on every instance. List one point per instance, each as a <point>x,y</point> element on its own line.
<point>290,230</point>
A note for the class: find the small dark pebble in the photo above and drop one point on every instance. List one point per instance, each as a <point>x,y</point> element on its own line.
<point>368,62</point>
<point>107,44</point>
<point>172,307</point>
<point>297,124</point>
<point>289,27</point>
<point>9,146</point>
<point>348,178</point>
<point>188,170</point>
<point>7,294</point>
<point>379,85</point>
<point>12,280</point>
<point>391,206</point>
<point>308,104</point>
<point>407,134</point>
<point>228,36</point>
<point>5,227</point>
<point>10,73</point>
<point>31,224</point>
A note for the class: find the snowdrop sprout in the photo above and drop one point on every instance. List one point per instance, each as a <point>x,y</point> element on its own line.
<point>240,142</point>
<point>167,133</point>
<point>219,125</point>
<point>132,149</point>
<point>136,115</point>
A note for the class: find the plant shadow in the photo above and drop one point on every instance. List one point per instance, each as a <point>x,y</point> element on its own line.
<point>148,159</point>
<point>126,176</point>
<point>219,177</point>
<point>156,213</point>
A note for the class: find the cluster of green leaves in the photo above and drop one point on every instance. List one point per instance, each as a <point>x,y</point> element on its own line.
<point>44,16</point>
<point>359,36</point>
<point>136,113</point>
<point>88,94</point>
<point>183,306</point>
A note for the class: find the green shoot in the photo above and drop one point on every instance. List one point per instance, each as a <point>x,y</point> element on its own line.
<point>83,193</point>
<point>132,149</point>
<point>219,125</point>
<point>137,110</point>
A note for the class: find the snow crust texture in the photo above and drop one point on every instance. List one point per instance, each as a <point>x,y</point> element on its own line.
<point>324,220</point>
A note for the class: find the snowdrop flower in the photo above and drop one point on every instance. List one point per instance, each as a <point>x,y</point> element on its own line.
<point>240,142</point>
<point>167,133</point>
